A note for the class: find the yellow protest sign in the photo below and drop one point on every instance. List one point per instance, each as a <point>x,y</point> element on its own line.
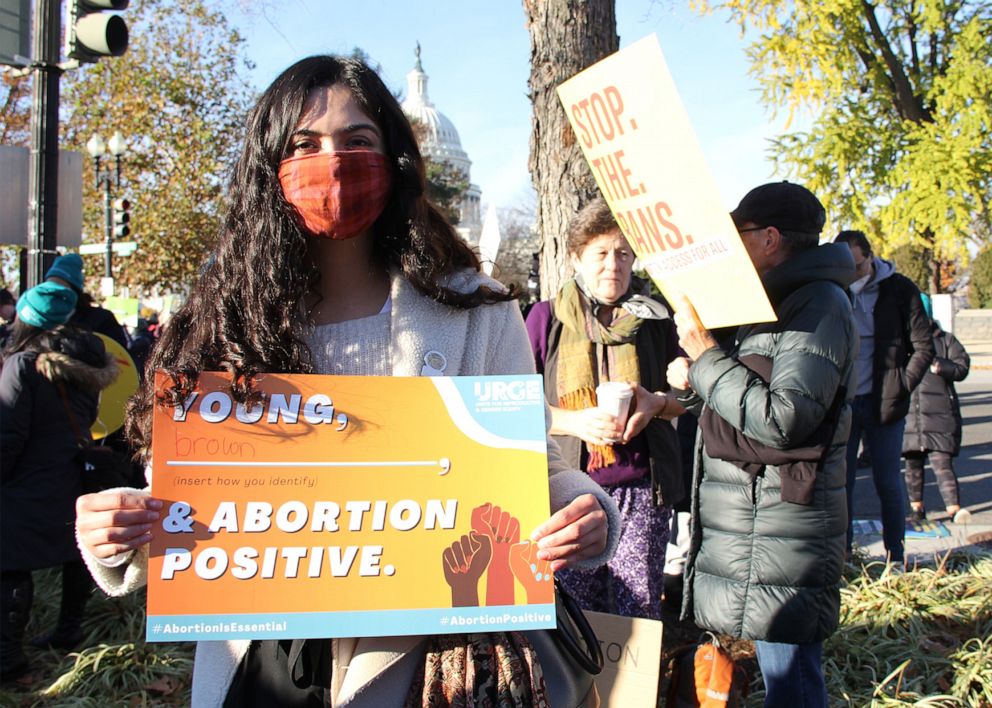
<point>349,506</point>
<point>636,136</point>
<point>113,399</point>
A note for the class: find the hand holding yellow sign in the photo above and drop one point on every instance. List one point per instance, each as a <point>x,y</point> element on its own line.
<point>694,338</point>
<point>637,139</point>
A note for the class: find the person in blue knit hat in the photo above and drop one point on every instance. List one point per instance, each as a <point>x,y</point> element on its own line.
<point>50,382</point>
<point>68,270</point>
<point>47,305</point>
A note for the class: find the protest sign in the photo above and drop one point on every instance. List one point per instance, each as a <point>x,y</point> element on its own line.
<point>631,649</point>
<point>125,309</point>
<point>113,399</point>
<point>349,506</point>
<point>636,137</point>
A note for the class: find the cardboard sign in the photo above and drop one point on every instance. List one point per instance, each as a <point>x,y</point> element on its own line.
<point>636,136</point>
<point>631,659</point>
<point>349,506</point>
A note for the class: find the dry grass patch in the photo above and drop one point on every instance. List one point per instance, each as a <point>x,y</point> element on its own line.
<point>920,638</point>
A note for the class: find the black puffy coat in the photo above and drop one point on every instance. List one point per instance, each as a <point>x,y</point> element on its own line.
<point>40,475</point>
<point>903,348</point>
<point>760,567</point>
<point>934,420</point>
<point>94,318</point>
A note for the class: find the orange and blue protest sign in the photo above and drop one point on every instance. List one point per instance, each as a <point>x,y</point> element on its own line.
<point>349,506</point>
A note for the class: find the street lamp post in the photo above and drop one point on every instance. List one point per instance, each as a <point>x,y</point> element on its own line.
<point>110,180</point>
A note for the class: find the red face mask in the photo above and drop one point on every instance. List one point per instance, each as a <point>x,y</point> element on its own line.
<point>336,194</point>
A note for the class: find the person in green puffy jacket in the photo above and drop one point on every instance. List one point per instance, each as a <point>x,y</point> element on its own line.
<point>769,506</point>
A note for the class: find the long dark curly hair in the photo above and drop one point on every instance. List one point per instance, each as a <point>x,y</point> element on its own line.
<point>245,314</point>
<point>28,338</point>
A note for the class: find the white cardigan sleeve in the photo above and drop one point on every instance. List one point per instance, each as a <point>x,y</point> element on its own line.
<point>511,354</point>
<point>122,573</point>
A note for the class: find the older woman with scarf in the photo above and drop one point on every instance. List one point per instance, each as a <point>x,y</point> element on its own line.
<point>601,328</point>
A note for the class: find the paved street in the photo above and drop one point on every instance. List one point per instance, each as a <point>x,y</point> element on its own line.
<point>974,468</point>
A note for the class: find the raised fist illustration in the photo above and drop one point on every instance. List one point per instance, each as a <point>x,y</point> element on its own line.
<point>503,530</point>
<point>464,562</point>
<point>534,574</point>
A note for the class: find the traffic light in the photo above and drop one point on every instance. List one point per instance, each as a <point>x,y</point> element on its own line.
<point>92,33</point>
<point>122,218</point>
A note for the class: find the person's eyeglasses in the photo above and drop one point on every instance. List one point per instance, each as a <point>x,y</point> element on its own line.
<point>753,228</point>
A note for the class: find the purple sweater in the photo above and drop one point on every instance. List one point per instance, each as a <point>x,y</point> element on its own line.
<point>632,459</point>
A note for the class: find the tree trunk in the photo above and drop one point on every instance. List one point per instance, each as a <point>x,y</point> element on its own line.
<point>566,36</point>
<point>933,261</point>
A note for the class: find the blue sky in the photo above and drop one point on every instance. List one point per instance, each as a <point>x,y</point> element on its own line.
<point>476,53</point>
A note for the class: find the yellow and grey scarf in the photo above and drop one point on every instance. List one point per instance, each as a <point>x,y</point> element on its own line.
<point>590,352</point>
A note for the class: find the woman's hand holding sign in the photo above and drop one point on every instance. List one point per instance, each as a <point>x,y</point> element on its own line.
<point>533,573</point>
<point>574,533</point>
<point>111,523</point>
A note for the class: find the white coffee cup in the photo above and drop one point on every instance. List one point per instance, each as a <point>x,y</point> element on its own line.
<point>614,398</point>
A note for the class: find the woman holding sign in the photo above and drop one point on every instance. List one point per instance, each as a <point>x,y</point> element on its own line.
<point>603,349</point>
<point>332,261</point>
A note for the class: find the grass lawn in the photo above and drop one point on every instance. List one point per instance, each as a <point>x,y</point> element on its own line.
<point>920,638</point>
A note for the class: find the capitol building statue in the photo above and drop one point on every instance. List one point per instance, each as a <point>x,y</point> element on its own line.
<point>441,143</point>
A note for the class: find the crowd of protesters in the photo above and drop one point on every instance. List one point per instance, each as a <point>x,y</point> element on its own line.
<point>725,485</point>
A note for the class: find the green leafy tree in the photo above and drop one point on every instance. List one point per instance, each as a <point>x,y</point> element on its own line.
<point>446,184</point>
<point>446,187</point>
<point>180,97</point>
<point>364,57</point>
<point>15,109</point>
<point>980,288</point>
<point>15,130</point>
<point>911,261</point>
<point>900,92</point>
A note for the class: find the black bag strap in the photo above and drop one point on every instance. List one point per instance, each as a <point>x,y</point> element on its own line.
<point>572,619</point>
